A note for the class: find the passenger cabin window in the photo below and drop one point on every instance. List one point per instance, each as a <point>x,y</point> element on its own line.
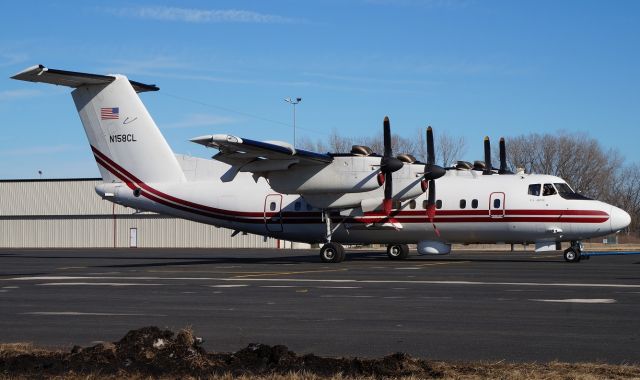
<point>424,204</point>
<point>463,203</point>
<point>272,206</point>
<point>297,206</point>
<point>496,203</point>
<point>474,203</point>
<point>548,189</point>
<point>412,204</point>
<point>439,204</point>
<point>534,189</point>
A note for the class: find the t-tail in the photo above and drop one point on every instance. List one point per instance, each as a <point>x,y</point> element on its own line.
<point>126,142</point>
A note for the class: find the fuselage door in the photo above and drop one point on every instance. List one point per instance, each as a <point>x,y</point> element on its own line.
<point>496,205</point>
<point>273,212</point>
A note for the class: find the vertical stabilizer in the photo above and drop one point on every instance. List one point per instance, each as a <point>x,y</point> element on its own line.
<point>121,131</point>
<point>125,140</point>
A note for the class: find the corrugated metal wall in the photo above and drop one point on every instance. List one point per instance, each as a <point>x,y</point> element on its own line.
<point>69,213</point>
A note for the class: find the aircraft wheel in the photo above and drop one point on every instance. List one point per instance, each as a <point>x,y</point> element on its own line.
<point>332,253</point>
<point>571,255</point>
<point>397,251</point>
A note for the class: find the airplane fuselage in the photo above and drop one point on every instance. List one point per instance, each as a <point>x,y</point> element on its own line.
<point>472,208</point>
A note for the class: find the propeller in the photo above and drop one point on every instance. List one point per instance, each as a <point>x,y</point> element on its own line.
<point>431,173</point>
<point>503,158</point>
<point>487,157</point>
<point>388,165</point>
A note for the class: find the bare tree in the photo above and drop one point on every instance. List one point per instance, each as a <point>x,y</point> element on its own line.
<point>578,159</point>
<point>449,149</point>
<point>306,143</point>
<point>626,194</point>
<point>338,143</point>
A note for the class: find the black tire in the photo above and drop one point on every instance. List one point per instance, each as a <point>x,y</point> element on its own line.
<point>332,253</point>
<point>571,255</point>
<point>397,251</point>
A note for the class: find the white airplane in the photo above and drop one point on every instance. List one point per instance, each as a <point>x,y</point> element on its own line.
<point>274,189</point>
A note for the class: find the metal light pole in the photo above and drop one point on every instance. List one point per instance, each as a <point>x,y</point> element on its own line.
<point>293,102</point>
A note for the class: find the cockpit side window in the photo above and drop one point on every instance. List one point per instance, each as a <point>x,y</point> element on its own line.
<point>567,192</point>
<point>534,189</point>
<point>548,189</point>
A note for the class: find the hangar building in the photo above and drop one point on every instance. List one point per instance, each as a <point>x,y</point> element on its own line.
<point>67,213</point>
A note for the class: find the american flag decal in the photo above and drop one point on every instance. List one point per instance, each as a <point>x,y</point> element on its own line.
<point>111,113</point>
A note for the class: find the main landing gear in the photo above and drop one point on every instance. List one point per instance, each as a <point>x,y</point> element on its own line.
<point>397,251</point>
<point>573,254</point>
<point>330,252</point>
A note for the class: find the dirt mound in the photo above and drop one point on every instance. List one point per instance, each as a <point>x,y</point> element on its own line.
<point>148,350</point>
<point>152,352</point>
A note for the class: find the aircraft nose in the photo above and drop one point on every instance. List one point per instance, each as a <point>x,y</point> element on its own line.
<point>619,219</point>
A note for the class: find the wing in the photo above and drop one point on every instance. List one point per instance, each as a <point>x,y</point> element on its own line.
<point>245,155</point>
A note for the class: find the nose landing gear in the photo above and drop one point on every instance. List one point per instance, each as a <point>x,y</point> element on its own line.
<point>573,254</point>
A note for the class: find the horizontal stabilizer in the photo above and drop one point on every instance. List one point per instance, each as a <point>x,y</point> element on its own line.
<point>42,74</point>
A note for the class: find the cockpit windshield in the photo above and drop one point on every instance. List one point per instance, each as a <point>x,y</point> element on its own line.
<point>567,192</point>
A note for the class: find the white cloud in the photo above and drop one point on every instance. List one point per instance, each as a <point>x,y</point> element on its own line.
<point>8,95</point>
<point>201,15</point>
<point>201,120</point>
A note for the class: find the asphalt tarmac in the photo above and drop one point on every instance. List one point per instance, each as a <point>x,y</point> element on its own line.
<point>513,306</point>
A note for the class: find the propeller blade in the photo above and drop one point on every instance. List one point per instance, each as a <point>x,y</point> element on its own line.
<point>503,158</point>
<point>387,137</point>
<point>487,157</point>
<point>431,154</point>
<point>388,165</point>
<point>431,205</point>
<point>431,170</point>
<point>388,193</point>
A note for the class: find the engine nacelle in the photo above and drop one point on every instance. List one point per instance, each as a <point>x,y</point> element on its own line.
<point>432,247</point>
<point>344,175</point>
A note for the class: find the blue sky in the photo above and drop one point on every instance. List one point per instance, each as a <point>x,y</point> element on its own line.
<point>469,67</point>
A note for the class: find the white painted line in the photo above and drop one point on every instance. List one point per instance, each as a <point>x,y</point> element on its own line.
<point>578,300</point>
<point>336,281</point>
<point>92,314</point>
<point>408,268</point>
<point>10,287</point>
<point>281,286</point>
<point>229,286</point>
<point>96,284</point>
<point>338,287</point>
